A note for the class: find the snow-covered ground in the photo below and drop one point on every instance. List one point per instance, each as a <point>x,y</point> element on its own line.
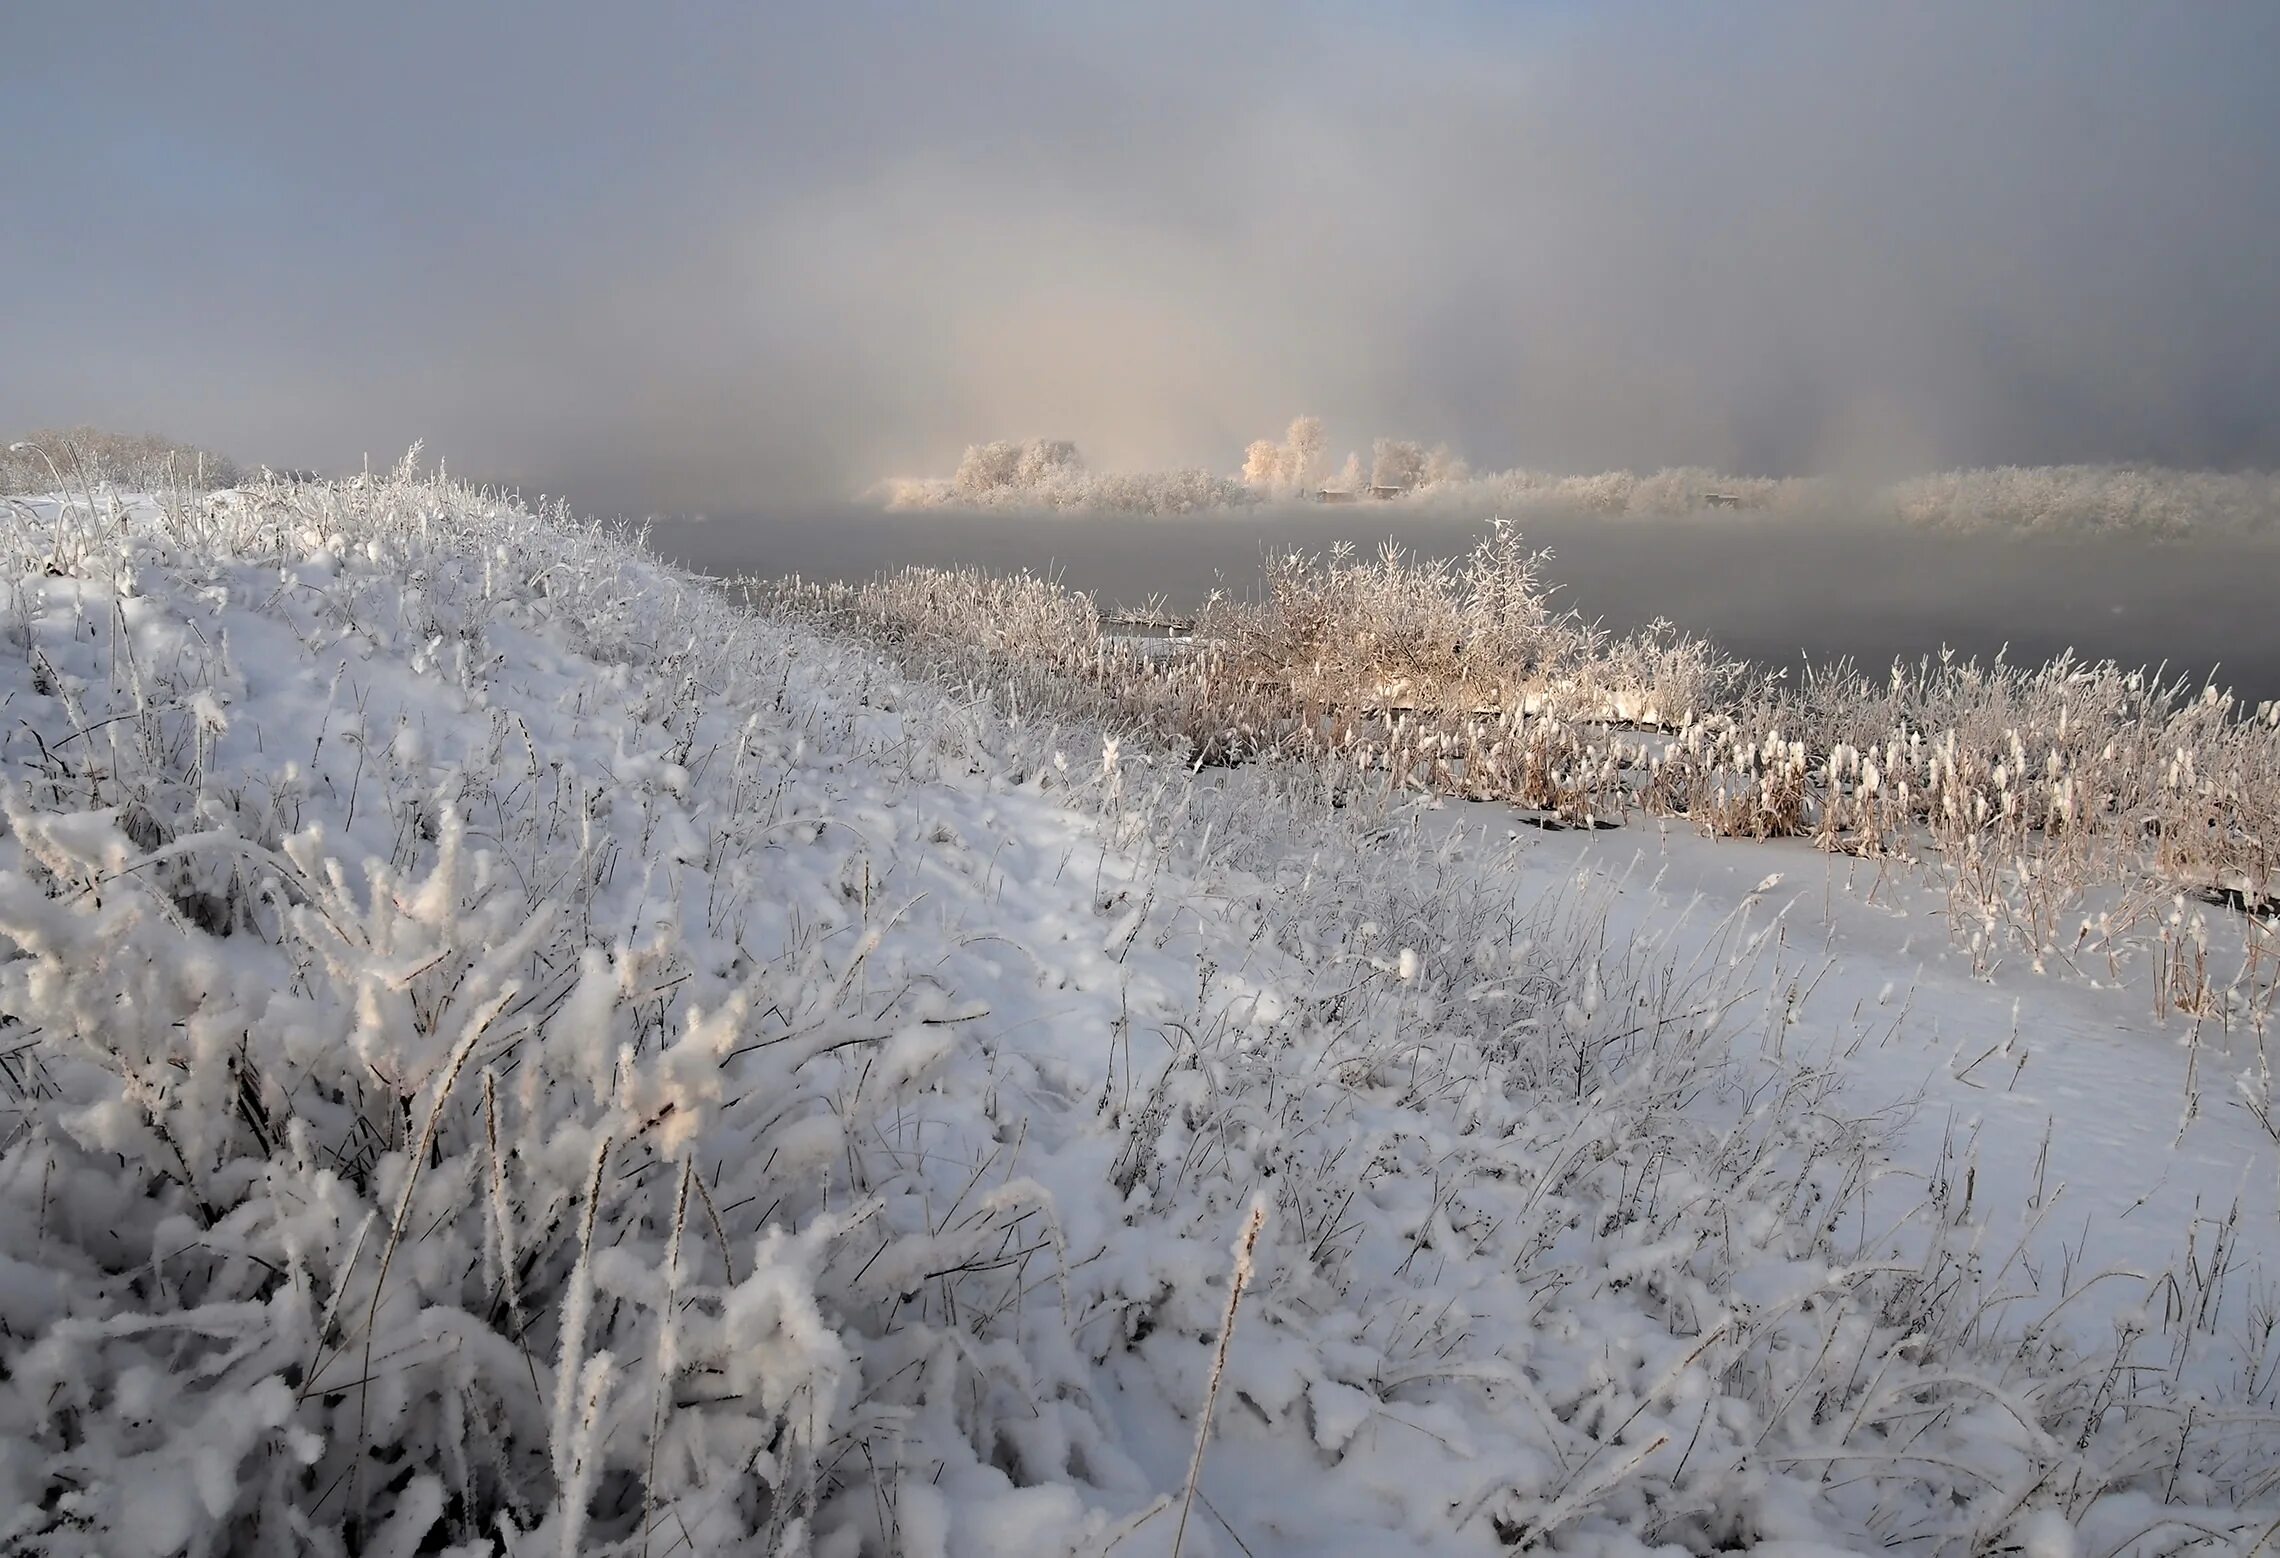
<point>503,1051</point>
<point>2116,1132</point>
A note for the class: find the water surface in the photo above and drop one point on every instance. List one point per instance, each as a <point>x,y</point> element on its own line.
<point>1771,587</point>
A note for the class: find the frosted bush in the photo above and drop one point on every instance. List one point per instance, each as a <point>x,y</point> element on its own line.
<point>80,458</point>
<point>1051,474</point>
<point>2066,498</point>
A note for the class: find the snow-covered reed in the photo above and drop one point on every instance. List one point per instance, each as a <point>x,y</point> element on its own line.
<point>506,1051</point>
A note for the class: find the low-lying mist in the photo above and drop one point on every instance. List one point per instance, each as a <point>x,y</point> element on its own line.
<point>1773,587</point>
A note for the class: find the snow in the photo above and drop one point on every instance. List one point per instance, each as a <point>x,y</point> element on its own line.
<point>2064,1098</point>
<point>506,1052</point>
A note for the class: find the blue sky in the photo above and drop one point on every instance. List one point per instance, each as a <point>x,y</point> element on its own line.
<point>705,256</point>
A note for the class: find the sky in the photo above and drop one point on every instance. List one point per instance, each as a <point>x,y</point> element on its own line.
<point>682,257</point>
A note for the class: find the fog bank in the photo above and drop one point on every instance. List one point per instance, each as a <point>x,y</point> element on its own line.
<point>718,259</point>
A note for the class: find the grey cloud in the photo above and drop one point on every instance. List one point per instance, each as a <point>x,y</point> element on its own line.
<point>751,252</point>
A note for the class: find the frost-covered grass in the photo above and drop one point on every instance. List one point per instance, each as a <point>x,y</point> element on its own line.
<point>506,1051</point>
<point>2073,814</point>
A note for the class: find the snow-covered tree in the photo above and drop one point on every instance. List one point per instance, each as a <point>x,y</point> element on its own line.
<point>987,467</point>
<point>1005,465</point>
<point>1397,462</point>
<point>1262,463</point>
<point>1290,466</point>
<point>1302,450</point>
<point>1043,458</point>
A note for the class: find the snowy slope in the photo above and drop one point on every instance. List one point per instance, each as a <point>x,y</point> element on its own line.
<point>504,1052</point>
<point>2080,1110</point>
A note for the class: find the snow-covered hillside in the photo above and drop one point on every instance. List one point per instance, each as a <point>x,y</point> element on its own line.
<point>503,1051</point>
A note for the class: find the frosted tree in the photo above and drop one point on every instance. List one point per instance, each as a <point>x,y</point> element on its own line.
<point>1262,463</point>
<point>1003,465</point>
<point>1349,478</point>
<point>1302,451</point>
<point>1397,462</point>
<point>1043,458</point>
<point>987,468</point>
<point>1290,466</point>
<point>1445,464</point>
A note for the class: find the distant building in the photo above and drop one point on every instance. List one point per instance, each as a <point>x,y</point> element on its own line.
<point>1722,500</point>
<point>1333,495</point>
<point>1378,490</point>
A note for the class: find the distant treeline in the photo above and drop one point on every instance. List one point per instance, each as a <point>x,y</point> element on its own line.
<point>67,459</point>
<point>2147,500</point>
